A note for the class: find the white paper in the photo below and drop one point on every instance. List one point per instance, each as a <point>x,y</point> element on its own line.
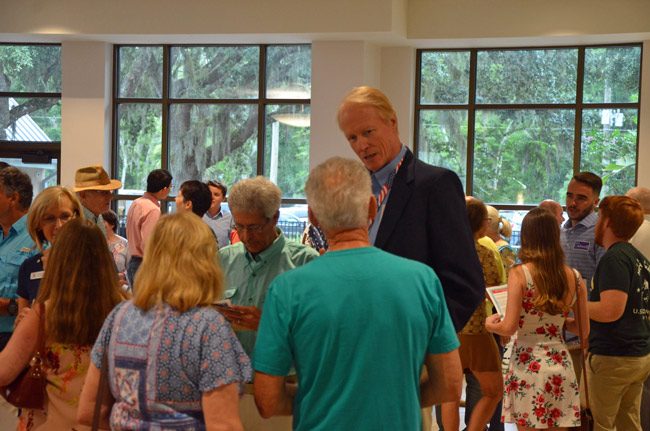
<point>499,297</point>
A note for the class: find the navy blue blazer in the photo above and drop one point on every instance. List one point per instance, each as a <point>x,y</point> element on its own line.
<point>425,219</point>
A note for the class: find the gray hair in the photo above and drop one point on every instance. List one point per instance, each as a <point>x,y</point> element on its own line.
<point>255,195</point>
<point>13,180</point>
<point>641,195</point>
<point>338,192</point>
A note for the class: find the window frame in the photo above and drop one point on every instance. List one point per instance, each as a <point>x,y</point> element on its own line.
<point>51,149</point>
<point>166,101</point>
<point>472,106</point>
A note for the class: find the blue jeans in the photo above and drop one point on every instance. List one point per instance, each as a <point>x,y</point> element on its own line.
<point>132,268</point>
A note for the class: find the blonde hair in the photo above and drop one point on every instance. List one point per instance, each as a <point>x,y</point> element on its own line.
<point>180,266</point>
<point>80,284</point>
<point>497,224</point>
<point>368,96</point>
<point>44,201</point>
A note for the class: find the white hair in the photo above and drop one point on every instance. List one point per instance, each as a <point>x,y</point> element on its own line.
<point>338,193</point>
<point>255,195</point>
<point>641,195</point>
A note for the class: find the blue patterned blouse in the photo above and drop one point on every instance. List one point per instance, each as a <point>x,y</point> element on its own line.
<point>162,361</point>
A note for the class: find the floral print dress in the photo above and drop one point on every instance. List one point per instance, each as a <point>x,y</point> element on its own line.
<point>540,386</point>
<point>66,366</point>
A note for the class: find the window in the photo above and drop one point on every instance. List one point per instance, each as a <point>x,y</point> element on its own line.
<point>515,124</point>
<point>30,110</point>
<point>213,112</point>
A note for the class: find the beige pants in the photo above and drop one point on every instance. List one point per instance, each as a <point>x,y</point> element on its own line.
<point>8,416</point>
<point>252,420</point>
<point>615,385</point>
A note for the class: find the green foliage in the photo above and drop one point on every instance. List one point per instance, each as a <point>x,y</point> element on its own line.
<point>210,140</point>
<point>34,69</point>
<point>523,156</point>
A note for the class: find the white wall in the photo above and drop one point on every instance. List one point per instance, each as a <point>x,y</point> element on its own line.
<point>86,69</point>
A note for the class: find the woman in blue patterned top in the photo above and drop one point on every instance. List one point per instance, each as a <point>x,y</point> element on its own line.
<point>173,360</point>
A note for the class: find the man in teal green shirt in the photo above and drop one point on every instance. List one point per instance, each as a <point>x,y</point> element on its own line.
<point>358,324</point>
<point>251,265</point>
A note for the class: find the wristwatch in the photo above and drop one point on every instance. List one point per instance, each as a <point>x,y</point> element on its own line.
<point>12,307</point>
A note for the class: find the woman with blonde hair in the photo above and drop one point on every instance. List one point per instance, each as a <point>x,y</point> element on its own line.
<point>51,209</point>
<point>173,360</point>
<point>78,291</point>
<point>478,350</point>
<point>499,230</point>
<point>541,391</point>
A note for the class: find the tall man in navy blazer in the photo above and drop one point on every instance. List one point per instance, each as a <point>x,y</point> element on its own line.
<point>421,214</point>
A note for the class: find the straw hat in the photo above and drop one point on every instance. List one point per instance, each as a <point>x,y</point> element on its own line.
<point>94,178</point>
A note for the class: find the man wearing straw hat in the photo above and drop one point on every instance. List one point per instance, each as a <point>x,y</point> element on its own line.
<point>95,190</point>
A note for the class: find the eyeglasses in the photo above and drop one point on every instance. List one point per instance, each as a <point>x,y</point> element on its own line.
<point>251,228</point>
<point>64,218</point>
<point>104,193</point>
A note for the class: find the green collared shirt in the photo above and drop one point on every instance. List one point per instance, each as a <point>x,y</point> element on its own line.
<point>248,277</point>
<point>98,220</point>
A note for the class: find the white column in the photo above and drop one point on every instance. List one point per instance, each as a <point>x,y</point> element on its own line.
<point>86,69</point>
<point>398,82</point>
<point>643,167</point>
<point>337,67</point>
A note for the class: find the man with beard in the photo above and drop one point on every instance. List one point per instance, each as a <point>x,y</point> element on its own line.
<point>577,234</point>
<point>619,309</point>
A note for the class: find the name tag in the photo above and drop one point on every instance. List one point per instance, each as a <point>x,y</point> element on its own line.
<point>36,275</point>
<point>581,245</point>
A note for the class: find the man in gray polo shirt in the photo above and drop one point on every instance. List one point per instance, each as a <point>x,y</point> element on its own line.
<point>577,234</point>
<point>578,239</point>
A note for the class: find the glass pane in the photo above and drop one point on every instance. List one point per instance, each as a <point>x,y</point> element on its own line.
<point>213,142</point>
<point>609,147</point>
<point>141,71</point>
<point>122,209</point>
<point>293,220</point>
<point>527,76</point>
<point>30,68</point>
<point>288,72</point>
<point>222,72</point>
<point>42,174</point>
<point>443,140</point>
<point>612,74</point>
<point>445,77</point>
<point>35,119</point>
<point>139,138</point>
<point>286,150</point>
<point>515,217</point>
<point>523,156</point>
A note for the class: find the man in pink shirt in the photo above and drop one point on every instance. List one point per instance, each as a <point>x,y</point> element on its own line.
<point>142,217</point>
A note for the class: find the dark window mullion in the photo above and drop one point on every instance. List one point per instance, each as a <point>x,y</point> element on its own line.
<point>261,111</point>
<point>471,123</point>
<point>577,147</point>
<point>164,150</point>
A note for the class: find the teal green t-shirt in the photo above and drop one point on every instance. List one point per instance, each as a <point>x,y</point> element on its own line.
<point>357,324</point>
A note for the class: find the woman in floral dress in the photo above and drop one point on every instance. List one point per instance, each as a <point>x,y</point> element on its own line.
<point>540,387</point>
<point>79,289</point>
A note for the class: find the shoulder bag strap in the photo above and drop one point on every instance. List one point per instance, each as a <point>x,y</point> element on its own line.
<point>582,351</point>
<point>40,338</point>
<point>102,388</point>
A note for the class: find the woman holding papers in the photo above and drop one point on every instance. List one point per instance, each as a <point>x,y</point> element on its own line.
<point>478,350</point>
<point>541,391</point>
